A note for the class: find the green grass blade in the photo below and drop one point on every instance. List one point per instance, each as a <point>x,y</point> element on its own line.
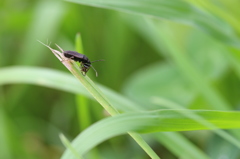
<point>149,122</point>
<point>175,10</point>
<point>83,111</point>
<point>61,81</point>
<point>66,82</point>
<point>171,105</point>
<point>99,96</point>
<point>78,43</point>
<point>68,145</point>
<point>218,10</point>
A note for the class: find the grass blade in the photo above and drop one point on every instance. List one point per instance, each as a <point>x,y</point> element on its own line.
<point>69,146</point>
<point>100,97</point>
<point>174,10</point>
<point>149,122</point>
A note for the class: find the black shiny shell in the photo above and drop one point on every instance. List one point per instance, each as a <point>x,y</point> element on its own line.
<point>77,57</point>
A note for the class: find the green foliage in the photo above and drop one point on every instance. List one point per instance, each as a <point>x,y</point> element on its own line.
<point>149,122</point>
<point>170,66</point>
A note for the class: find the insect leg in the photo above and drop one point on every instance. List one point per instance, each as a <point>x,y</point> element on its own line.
<point>94,70</point>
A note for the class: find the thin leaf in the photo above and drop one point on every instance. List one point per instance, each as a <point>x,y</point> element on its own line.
<point>99,96</point>
<point>83,110</point>
<point>172,105</point>
<point>149,122</point>
<point>68,145</point>
<point>61,81</point>
<point>66,82</point>
<point>175,10</point>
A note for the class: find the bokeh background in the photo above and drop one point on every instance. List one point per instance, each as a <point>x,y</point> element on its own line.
<point>183,51</point>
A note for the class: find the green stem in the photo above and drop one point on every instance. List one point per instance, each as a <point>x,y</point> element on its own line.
<point>69,146</point>
<point>99,96</point>
<point>83,109</point>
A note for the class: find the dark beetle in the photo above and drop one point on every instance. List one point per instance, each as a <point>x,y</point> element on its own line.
<point>82,59</point>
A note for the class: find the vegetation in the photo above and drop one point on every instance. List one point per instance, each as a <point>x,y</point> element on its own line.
<point>168,87</point>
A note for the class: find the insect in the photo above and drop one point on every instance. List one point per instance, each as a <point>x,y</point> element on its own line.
<point>82,59</point>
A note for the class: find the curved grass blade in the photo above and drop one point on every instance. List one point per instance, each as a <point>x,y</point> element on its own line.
<point>174,10</point>
<point>172,105</point>
<point>149,122</point>
<point>99,96</point>
<point>66,82</point>
<point>69,146</point>
<point>61,81</point>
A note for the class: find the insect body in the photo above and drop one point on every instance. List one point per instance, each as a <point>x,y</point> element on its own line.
<point>82,59</point>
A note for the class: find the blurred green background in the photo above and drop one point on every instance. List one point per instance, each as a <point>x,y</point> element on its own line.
<point>183,51</point>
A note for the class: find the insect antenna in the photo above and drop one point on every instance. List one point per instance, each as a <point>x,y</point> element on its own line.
<point>97,60</point>
<point>94,70</point>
